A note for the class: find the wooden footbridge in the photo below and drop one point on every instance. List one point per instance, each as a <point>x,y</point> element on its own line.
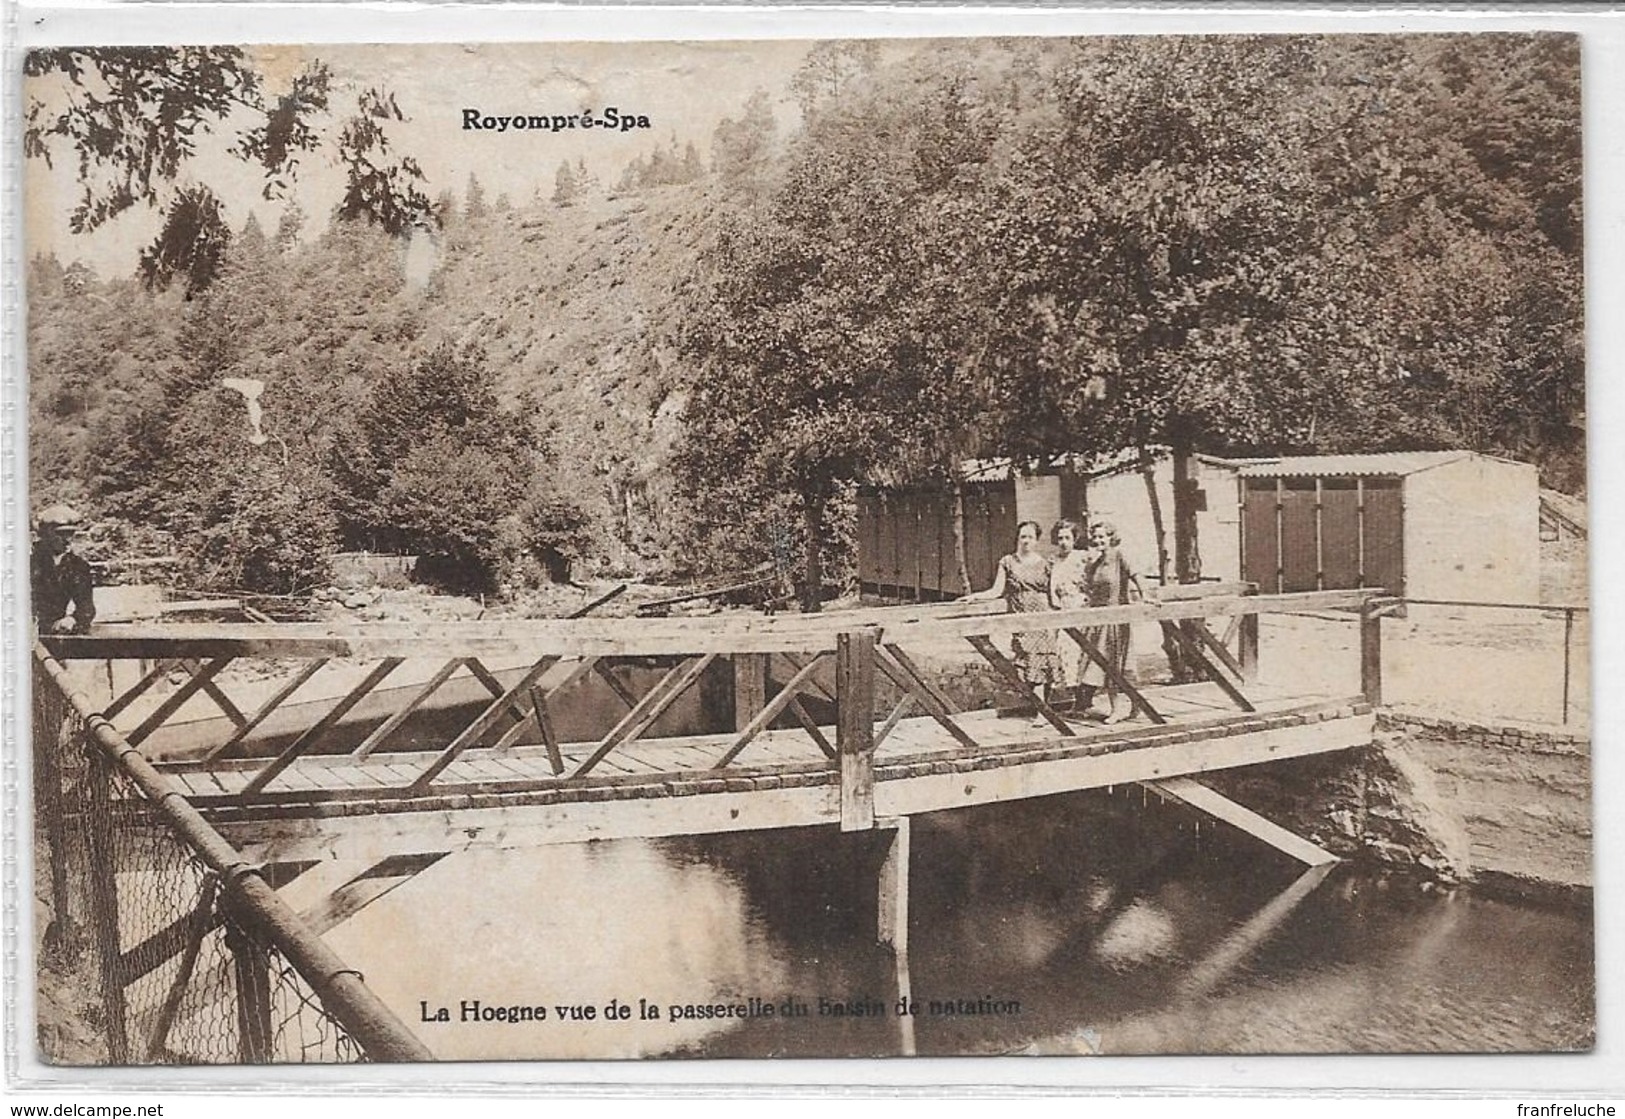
<point>836,719</point>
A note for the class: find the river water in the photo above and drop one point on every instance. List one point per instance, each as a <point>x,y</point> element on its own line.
<point>1087,923</point>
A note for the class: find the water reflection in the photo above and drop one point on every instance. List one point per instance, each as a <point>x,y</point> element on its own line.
<point>1076,924</point>
<point>562,928</point>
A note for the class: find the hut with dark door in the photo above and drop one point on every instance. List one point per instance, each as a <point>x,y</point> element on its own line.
<point>1451,525</point>
<point>906,534</point>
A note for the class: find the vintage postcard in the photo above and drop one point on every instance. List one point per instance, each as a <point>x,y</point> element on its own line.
<point>850,548</point>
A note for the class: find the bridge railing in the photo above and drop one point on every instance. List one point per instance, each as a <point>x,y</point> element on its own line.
<point>828,667</point>
<point>1519,661</point>
<point>192,957</point>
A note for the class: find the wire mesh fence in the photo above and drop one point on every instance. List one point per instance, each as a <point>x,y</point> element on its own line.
<point>185,962</point>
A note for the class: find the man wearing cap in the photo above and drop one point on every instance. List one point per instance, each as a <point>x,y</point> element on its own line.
<point>59,577</point>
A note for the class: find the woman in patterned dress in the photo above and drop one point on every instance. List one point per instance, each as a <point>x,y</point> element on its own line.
<point>1022,579</point>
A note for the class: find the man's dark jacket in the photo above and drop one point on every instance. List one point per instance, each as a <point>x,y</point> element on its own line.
<point>57,583</point>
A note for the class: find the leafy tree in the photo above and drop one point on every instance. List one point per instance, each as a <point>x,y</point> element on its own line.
<point>839,339</point>
<point>289,227</point>
<point>135,118</point>
<point>435,464</point>
<point>191,245</point>
<point>445,209</point>
<point>634,176</point>
<point>260,524</point>
<point>664,167</point>
<point>1243,245</point>
<point>693,169</point>
<point>830,71</point>
<point>740,149</point>
<point>380,188</point>
<point>135,115</point>
<point>586,178</point>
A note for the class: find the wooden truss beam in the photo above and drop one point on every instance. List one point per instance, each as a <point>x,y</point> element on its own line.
<point>648,709</point>
<point>800,634</point>
<point>389,725</point>
<point>365,888</point>
<point>769,712</point>
<point>1092,651</point>
<point>277,700</point>
<point>176,699</point>
<point>483,723</point>
<point>305,741</point>
<point>1003,665</point>
<point>1198,796</point>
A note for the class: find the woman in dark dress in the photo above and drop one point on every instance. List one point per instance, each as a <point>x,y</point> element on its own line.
<point>1022,579</point>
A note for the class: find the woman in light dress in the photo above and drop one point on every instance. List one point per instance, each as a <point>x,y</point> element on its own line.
<point>1069,590</point>
<point>1110,582</point>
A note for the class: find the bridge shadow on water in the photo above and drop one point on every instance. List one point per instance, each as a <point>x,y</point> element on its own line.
<point>1108,923</point>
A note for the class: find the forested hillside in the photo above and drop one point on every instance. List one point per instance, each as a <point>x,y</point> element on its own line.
<point>567,316</point>
<point>1008,247</point>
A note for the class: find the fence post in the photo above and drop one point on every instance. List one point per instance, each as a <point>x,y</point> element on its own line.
<point>51,726</point>
<point>1568,639</point>
<point>1247,640</point>
<point>104,915</point>
<point>1371,651</point>
<point>251,965</point>
<point>855,726</point>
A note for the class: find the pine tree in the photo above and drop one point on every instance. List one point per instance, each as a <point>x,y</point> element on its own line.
<point>565,188</point>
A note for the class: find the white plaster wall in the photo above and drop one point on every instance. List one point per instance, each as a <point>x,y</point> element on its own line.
<point>1472,532</point>
<point>1121,499</point>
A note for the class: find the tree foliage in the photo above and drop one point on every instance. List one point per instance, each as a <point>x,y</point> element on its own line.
<point>435,464</point>
<point>1230,244</point>
<point>138,114</point>
<point>380,186</point>
<point>136,117</point>
<point>191,246</point>
<point>742,148</point>
<point>134,415</point>
<point>662,167</point>
<point>565,188</point>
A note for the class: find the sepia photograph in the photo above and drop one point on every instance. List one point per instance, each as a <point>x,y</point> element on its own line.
<point>531,546</point>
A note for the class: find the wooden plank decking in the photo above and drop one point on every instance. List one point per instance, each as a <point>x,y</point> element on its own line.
<point>340,807</point>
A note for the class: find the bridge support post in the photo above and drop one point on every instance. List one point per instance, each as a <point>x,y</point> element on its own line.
<point>1248,636</point>
<point>855,726</point>
<point>1371,652</point>
<point>891,920</point>
<point>750,687</point>
<point>892,911</point>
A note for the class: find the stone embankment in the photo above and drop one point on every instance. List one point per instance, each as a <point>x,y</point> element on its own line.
<point>1505,807</point>
<point>1520,793</point>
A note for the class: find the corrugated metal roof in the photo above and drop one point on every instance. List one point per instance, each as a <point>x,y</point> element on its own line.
<point>1571,509</point>
<point>1385,464</point>
<point>1096,466</point>
<point>1378,464</point>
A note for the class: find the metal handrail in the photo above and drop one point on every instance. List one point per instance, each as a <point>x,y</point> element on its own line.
<point>342,990</point>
